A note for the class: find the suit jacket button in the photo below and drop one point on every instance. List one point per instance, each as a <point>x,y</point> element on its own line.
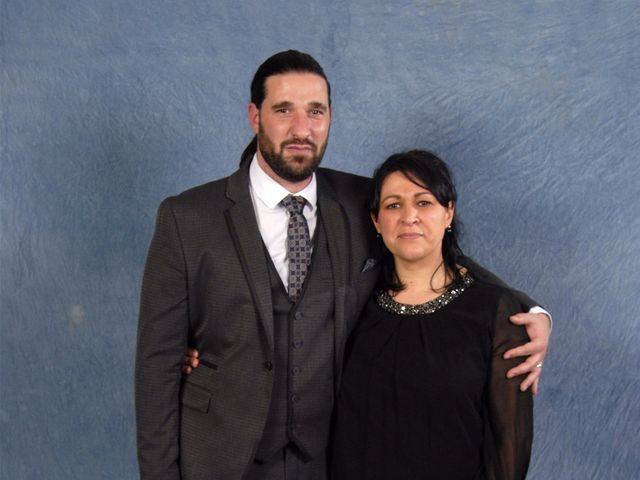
<point>268,365</point>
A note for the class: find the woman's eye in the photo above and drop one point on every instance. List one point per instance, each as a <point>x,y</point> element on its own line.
<point>424,203</point>
<point>392,206</point>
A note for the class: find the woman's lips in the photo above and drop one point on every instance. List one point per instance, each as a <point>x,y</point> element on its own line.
<point>410,235</point>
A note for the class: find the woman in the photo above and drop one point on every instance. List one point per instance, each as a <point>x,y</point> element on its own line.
<point>424,393</point>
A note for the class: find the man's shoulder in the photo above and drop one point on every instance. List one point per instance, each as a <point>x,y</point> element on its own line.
<point>340,176</point>
<point>200,193</point>
<point>345,184</point>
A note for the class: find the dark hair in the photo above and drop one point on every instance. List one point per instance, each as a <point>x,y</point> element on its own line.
<point>282,62</point>
<point>427,170</point>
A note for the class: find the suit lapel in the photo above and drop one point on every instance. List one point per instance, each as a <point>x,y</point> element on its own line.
<point>241,220</point>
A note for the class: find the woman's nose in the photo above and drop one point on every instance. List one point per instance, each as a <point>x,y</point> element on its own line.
<point>409,216</point>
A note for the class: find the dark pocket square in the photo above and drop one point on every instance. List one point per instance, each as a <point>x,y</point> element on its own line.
<point>369,264</point>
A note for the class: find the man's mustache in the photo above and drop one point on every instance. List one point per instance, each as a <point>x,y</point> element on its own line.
<point>308,142</point>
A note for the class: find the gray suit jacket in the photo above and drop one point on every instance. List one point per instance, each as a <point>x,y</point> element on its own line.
<point>206,284</point>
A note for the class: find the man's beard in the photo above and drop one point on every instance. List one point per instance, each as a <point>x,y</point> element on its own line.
<point>297,167</point>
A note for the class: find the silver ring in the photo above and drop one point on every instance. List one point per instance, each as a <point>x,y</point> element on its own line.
<point>539,365</point>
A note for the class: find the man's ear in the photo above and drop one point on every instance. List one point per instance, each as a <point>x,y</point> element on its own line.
<point>254,117</point>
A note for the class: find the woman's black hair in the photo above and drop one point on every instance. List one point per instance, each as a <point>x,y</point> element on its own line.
<point>427,170</point>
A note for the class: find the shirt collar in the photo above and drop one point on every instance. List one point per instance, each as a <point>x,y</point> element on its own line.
<point>271,192</point>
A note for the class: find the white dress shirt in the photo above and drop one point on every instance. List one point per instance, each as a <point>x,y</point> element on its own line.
<point>273,218</point>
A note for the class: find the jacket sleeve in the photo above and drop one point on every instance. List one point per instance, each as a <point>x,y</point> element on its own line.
<point>481,273</point>
<point>162,338</point>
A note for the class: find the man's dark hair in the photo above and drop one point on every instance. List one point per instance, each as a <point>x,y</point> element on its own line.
<point>282,62</point>
<point>427,170</point>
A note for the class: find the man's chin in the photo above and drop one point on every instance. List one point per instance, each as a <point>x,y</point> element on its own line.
<point>300,161</point>
<point>297,175</point>
<point>298,169</point>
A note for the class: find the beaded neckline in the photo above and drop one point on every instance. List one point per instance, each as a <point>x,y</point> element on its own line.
<point>454,291</point>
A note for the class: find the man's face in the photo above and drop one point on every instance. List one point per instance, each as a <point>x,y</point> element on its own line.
<point>292,125</point>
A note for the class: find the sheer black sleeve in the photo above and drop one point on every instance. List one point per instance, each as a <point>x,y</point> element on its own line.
<point>509,417</point>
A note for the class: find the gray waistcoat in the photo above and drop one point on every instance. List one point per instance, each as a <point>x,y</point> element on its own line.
<point>302,398</point>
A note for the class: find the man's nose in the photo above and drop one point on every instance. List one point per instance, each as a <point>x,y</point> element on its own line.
<point>300,126</point>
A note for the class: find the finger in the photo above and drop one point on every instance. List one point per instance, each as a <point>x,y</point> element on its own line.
<point>192,352</point>
<point>520,319</point>
<point>527,382</point>
<point>526,367</point>
<point>532,320</point>
<point>535,386</point>
<point>186,369</point>
<point>520,351</point>
<point>191,361</point>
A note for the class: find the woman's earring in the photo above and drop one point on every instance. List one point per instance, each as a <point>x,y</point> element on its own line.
<point>448,229</point>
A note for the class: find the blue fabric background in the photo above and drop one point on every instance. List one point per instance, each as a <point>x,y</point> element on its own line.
<point>107,107</point>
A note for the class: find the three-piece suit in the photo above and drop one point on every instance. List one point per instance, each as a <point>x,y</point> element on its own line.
<point>209,283</point>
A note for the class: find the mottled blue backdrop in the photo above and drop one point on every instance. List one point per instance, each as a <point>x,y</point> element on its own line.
<point>107,107</point>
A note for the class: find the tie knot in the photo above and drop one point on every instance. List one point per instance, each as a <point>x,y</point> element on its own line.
<point>294,204</point>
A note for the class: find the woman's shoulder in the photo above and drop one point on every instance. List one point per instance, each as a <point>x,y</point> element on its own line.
<point>491,293</point>
<point>495,304</point>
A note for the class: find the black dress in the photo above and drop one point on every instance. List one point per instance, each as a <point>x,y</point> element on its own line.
<point>424,393</point>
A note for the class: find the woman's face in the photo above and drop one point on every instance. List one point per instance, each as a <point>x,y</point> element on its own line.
<point>410,220</point>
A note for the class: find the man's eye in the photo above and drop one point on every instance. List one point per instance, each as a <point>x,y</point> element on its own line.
<point>317,112</point>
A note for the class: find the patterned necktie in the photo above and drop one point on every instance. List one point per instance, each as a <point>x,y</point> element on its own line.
<point>298,245</point>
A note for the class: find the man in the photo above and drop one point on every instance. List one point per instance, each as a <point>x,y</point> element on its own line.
<point>266,286</point>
